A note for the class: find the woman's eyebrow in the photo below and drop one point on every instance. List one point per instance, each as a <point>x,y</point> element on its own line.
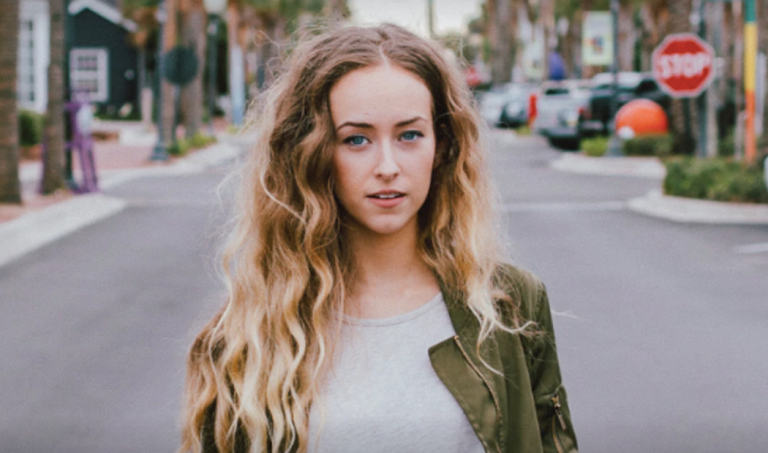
<point>410,121</point>
<point>358,125</point>
<point>371,126</point>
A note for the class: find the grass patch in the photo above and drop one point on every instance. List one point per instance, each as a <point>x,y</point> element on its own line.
<point>595,146</point>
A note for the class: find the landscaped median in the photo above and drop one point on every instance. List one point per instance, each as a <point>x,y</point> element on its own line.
<point>717,190</point>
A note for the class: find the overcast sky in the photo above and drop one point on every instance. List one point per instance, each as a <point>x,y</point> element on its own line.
<point>412,14</point>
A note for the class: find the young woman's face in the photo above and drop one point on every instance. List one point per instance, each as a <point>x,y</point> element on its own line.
<point>385,147</point>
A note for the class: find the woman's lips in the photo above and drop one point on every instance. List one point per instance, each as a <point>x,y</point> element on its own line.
<point>386,199</point>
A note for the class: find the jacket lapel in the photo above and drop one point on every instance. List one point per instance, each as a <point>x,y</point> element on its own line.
<point>475,387</point>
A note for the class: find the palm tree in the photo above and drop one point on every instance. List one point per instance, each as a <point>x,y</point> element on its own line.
<point>682,116</point>
<point>10,190</point>
<point>193,35</point>
<point>53,164</point>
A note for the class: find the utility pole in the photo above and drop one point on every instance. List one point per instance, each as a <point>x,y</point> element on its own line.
<point>431,17</point>
<point>614,146</point>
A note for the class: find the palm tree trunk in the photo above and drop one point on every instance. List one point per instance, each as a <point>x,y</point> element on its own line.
<point>682,116</point>
<point>193,35</point>
<point>10,190</point>
<point>626,35</point>
<point>53,138</point>
<point>168,108</point>
<point>501,41</point>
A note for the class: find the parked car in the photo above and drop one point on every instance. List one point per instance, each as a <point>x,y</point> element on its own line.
<point>596,117</point>
<point>559,106</point>
<point>494,102</point>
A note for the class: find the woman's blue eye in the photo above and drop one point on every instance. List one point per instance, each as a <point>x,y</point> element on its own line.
<point>355,140</point>
<point>411,135</point>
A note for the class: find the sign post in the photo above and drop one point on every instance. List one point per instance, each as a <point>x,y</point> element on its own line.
<point>683,66</point>
<point>750,70</point>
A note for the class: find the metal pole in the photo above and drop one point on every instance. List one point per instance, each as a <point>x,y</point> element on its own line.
<point>431,17</point>
<point>614,146</point>
<point>750,73</point>
<point>701,102</point>
<point>160,153</point>
<point>213,28</point>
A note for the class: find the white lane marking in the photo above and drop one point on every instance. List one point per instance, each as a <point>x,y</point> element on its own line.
<point>36,229</point>
<point>749,249</point>
<point>564,207</point>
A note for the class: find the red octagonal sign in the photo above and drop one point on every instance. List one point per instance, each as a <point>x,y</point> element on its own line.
<point>683,65</point>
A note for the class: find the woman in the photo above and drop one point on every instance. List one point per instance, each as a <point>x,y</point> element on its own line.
<point>369,309</point>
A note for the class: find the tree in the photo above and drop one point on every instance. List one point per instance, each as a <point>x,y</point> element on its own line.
<point>193,35</point>
<point>10,188</point>
<point>681,114</point>
<point>53,134</point>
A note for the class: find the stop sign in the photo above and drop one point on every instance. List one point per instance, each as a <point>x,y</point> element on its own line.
<point>683,65</point>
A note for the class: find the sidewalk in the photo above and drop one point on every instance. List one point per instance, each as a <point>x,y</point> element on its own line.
<point>44,219</point>
<point>655,203</point>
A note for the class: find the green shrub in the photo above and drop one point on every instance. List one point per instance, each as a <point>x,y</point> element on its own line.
<point>726,146</point>
<point>200,140</point>
<point>179,148</point>
<point>595,146</point>
<point>30,128</point>
<point>649,145</point>
<point>715,179</point>
<point>523,131</point>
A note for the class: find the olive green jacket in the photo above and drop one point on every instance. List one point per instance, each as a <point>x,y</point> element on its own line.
<point>524,409</point>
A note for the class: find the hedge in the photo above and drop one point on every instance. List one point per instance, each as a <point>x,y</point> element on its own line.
<point>715,179</point>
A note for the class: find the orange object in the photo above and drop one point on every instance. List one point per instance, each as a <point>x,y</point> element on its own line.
<point>641,117</point>
<point>532,111</point>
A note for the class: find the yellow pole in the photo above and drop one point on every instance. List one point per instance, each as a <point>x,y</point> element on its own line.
<point>750,72</point>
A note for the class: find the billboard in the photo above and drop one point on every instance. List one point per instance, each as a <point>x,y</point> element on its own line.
<point>597,39</point>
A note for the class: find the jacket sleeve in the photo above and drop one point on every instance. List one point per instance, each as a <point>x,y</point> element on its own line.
<point>557,434</point>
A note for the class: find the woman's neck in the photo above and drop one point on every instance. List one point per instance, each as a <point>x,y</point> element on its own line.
<point>391,278</point>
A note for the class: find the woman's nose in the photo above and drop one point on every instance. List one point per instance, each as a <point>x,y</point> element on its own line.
<point>386,166</point>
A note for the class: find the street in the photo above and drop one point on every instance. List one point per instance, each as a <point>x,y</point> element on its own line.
<point>662,327</point>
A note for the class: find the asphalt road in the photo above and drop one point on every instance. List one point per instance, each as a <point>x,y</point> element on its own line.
<point>662,327</point>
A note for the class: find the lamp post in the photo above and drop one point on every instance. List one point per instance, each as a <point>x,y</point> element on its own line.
<point>159,152</point>
<point>214,8</point>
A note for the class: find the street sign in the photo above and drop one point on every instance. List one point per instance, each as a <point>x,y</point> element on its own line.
<point>683,65</point>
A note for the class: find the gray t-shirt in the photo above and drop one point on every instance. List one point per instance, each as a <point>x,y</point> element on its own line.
<point>383,394</point>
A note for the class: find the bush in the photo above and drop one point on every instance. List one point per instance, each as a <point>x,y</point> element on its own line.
<point>200,140</point>
<point>523,131</point>
<point>715,179</point>
<point>726,146</point>
<point>179,148</point>
<point>649,145</point>
<point>595,146</point>
<point>30,128</point>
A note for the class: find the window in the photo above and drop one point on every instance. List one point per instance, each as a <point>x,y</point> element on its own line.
<point>89,73</point>
<point>26,62</point>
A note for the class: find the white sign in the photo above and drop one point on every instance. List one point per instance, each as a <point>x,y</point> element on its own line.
<point>597,39</point>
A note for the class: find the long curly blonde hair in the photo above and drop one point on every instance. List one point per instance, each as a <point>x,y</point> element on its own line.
<point>255,368</point>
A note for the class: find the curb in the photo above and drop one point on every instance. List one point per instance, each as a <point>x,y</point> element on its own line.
<point>639,167</point>
<point>689,210</point>
<point>37,229</point>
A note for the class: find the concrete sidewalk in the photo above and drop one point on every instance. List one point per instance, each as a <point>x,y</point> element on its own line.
<point>44,219</point>
<point>655,203</point>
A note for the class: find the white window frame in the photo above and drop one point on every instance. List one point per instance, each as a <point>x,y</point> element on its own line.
<point>33,60</point>
<point>100,75</point>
